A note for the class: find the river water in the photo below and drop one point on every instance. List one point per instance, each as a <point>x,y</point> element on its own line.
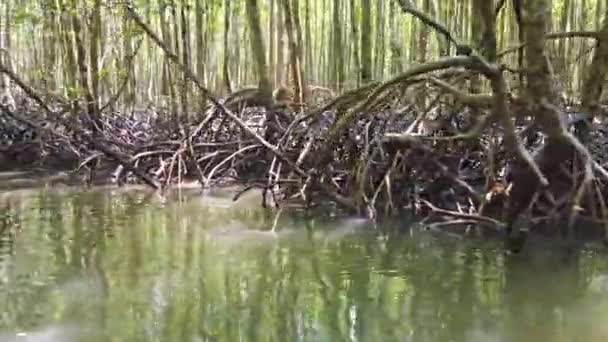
<point>124,265</point>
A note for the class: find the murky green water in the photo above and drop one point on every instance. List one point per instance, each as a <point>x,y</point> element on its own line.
<point>122,266</point>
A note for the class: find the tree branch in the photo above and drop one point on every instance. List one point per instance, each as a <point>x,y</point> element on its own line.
<point>555,35</point>
<point>479,100</point>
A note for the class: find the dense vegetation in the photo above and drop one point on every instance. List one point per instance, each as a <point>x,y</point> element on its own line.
<point>480,110</point>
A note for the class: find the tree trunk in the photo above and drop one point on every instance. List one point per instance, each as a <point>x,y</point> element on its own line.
<point>280,35</point>
<point>200,45</point>
<point>308,41</point>
<point>379,57</point>
<point>366,41</point>
<point>4,48</point>
<point>127,52</point>
<point>226,65</point>
<point>94,47</point>
<point>338,69</point>
<point>50,43</point>
<point>185,34</point>
<point>271,41</point>
<point>91,104</point>
<point>70,69</point>
<point>542,97</point>
<point>259,52</point>
<point>293,51</point>
<point>295,7</point>
<point>598,71</point>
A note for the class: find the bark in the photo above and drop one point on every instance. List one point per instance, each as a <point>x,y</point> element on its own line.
<point>540,85</point>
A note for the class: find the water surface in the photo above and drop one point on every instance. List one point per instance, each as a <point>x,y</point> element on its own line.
<point>116,265</point>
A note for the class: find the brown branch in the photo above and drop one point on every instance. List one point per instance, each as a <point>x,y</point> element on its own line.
<point>443,63</point>
<point>29,91</point>
<point>408,7</point>
<point>478,100</point>
<point>551,36</point>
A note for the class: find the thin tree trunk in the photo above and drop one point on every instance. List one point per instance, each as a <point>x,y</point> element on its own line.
<point>271,41</point>
<point>597,71</point>
<point>200,45</point>
<point>280,34</point>
<point>295,8</point>
<point>379,58</point>
<point>366,41</point>
<point>259,52</point>
<point>338,76</point>
<point>423,35</point>
<point>49,42</point>
<point>355,42</point>
<point>127,51</point>
<point>293,50</point>
<point>94,46</point>
<point>308,40</point>
<point>70,69</point>
<point>91,104</point>
<point>185,35</point>
<point>226,64</point>
<point>5,48</point>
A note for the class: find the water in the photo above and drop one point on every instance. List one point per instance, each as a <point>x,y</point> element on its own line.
<point>110,265</point>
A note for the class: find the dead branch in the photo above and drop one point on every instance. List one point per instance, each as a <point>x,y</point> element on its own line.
<point>408,7</point>
<point>459,215</point>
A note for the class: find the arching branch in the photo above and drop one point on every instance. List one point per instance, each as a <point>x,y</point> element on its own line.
<point>555,35</point>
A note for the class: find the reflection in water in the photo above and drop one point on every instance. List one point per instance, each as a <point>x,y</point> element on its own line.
<point>122,266</point>
<point>53,333</point>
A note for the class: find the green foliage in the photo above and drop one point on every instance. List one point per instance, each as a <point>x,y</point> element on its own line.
<point>72,92</point>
